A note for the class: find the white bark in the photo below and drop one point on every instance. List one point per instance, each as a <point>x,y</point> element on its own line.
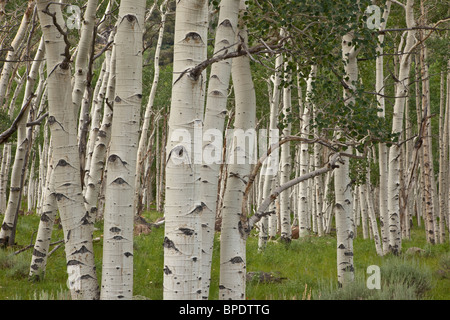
<point>285,208</point>
<point>401,92</point>
<point>215,112</point>
<point>383,154</point>
<point>97,162</point>
<point>66,175</point>
<point>21,155</point>
<point>117,270</point>
<point>182,252</point>
<point>342,185</point>
<point>149,108</point>
<point>232,242</point>
<point>11,57</point>
<point>44,234</point>
<point>303,213</point>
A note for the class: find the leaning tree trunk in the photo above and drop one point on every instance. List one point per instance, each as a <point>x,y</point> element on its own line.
<point>148,111</point>
<point>66,163</point>
<point>11,57</point>
<point>7,232</point>
<point>182,245</point>
<point>233,240</point>
<point>215,112</point>
<point>117,270</point>
<point>401,93</point>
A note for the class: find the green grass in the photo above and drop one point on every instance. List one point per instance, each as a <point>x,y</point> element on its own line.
<point>307,266</point>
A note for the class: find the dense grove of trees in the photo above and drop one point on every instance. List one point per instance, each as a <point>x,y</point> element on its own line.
<point>275,119</point>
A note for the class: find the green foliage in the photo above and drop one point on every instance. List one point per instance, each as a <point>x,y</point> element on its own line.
<point>409,273</point>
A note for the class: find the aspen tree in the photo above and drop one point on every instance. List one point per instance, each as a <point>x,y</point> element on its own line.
<point>343,192</point>
<point>303,203</point>
<point>214,118</point>
<point>383,153</point>
<point>285,161</point>
<point>401,91</point>
<point>66,166</point>
<point>21,155</point>
<point>183,207</point>
<point>149,108</point>
<point>233,238</point>
<point>117,270</point>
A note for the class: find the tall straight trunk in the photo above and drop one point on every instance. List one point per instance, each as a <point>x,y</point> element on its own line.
<point>183,207</point>
<point>383,152</point>
<point>304,157</point>
<point>215,112</point>
<point>342,184</point>
<point>447,137</point>
<point>443,160</point>
<point>285,208</point>
<point>149,109</point>
<point>66,166</point>
<point>271,174</point>
<point>233,240</point>
<point>117,270</point>
<point>7,233</point>
<point>401,92</point>
<point>427,169</point>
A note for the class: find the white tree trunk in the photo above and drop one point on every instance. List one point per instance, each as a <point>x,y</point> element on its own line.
<point>215,112</point>
<point>342,185</point>
<point>285,208</point>
<point>401,92</point>
<point>95,174</point>
<point>117,270</point>
<point>233,240</point>
<point>21,155</point>
<point>383,154</point>
<point>303,204</point>
<point>11,57</point>
<point>182,245</point>
<point>149,109</point>
<point>49,211</point>
<point>63,125</point>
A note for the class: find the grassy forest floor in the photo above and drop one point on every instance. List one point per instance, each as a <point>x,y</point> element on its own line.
<point>304,269</point>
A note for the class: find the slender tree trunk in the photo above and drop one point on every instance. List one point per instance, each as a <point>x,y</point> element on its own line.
<point>7,233</point>
<point>183,208</point>
<point>232,245</point>
<point>342,184</point>
<point>383,151</point>
<point>401,92</point>
<point>66,166</point>
<point>285,208</point>
<point>117,270</point>
<point>96,173</point>
<point>12,54</point>
<point>43,237</point>
<point>304,157</point>
<point>149,110</point>
<point>215,112</point>
<point>443,160</point>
